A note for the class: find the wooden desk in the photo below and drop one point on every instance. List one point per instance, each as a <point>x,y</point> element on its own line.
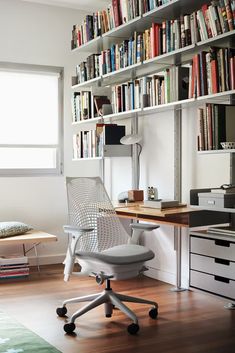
<point>177,217</point>
<point>34,237</point>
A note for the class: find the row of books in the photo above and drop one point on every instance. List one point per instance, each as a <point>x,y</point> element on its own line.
<point>209,73</point>
<point>13,267</point>
<point>119,56</point>
<point>100,22</point>
<point>149,5</point>
<point>89,144</point>
<point>159,39</point>
<point>212,72</point>
<point>207,22</point>
<point>126,96</point>
<point>169,86</point>
<point>81,106</point>
<point>87,106</point>
<point>215,125</point>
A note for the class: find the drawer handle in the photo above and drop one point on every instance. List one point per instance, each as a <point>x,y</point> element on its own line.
<point>221,279</point>
<point>224,243</point>
<point>222,262</point>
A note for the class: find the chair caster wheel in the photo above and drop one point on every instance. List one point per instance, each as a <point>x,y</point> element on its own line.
<point>153,313</point>
<point>69,328</point>
<point>61,312</point>
<point>133,328</point>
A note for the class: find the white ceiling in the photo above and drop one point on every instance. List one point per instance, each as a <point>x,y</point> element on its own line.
<point>86,5</point>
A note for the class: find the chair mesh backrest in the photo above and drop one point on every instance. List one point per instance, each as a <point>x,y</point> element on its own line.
<point>89,206</point>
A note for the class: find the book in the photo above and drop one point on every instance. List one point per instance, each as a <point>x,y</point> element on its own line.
<point>161,203</point>
<point>6,260</point>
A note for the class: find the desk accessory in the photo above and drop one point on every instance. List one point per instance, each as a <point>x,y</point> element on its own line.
<point>160,203</point>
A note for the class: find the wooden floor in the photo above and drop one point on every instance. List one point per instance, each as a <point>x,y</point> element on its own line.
<point>188,322</point>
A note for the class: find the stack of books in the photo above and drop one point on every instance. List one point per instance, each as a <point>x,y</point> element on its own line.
<point>14,267</point>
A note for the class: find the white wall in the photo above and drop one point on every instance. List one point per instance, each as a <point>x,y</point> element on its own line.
<point>40,34</point>
<point>157,169</point>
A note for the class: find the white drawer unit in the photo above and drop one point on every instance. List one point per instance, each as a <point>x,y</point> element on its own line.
<point>213,284</point>
<point>212,264</point>
<point>224,249</point>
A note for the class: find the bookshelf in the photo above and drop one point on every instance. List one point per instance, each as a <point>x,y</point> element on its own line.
<point>168,11</point>
<point>156,65</point>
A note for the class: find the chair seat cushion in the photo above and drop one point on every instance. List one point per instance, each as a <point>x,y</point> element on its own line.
<point>120,254</point>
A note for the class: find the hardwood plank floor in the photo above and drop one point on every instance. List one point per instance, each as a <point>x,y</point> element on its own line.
<point>188,322</point>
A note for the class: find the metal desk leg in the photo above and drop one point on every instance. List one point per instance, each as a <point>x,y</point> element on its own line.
<point>178,246</point>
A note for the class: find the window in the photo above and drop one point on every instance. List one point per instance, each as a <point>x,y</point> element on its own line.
<point>30,120</point>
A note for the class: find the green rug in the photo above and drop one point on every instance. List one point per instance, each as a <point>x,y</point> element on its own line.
<point>16,338</point>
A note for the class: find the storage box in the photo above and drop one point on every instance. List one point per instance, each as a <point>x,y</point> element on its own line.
<point>216,200</point>
<point>135,195</point>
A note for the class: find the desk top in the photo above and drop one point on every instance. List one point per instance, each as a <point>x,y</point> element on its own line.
<point>176,216</point>
<point>34,236</point>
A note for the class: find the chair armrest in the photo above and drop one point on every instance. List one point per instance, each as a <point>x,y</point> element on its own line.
<point>138,229</point>
<point>76,230</point>
<point>76,233</point>
<point>144,226</point>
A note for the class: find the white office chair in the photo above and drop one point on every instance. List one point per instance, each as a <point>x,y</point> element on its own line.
<point>104,250</point>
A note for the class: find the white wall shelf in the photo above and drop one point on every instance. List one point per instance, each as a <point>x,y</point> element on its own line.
<point>221,97</point>
<point>173,9</point>
<point>158,63</point>
<point>228,150</point>
<point>86,159</point>
<point>87,84</point>
<point>222,40</point>
<point>93,46</point>
<point>168,11</point>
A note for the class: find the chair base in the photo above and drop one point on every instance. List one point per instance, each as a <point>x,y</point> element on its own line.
<point>110,299</point>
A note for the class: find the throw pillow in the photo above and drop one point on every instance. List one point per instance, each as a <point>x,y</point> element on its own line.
<point>9,229</point>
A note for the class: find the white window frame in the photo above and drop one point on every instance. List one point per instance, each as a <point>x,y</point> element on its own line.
<point>58,170</point>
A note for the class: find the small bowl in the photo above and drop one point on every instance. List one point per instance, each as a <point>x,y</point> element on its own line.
<point>227,145</point>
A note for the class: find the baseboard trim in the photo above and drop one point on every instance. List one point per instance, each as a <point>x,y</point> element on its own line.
<point>161,275</point>
<point>46,259</point>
